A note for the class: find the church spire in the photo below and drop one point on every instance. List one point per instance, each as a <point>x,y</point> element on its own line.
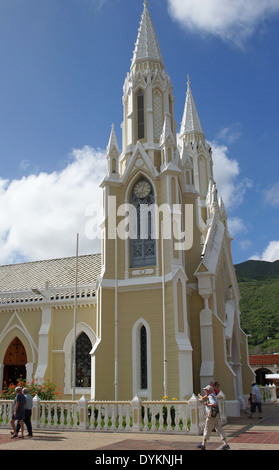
<point>112,147</point>
<point>190,121</point>
<point>146,47</point>
<point>112,155</point>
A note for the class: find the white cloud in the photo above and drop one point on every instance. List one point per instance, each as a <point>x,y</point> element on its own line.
<point>98,3</point>
<point>225,173</point>
<point>231,20</point>
<point>245,244</point>
<point>272,195</point>
<point>236,225</point>
<point>41,214</point>
<point>24,165</point>
<point>271,252</point>
<point>230,133</point>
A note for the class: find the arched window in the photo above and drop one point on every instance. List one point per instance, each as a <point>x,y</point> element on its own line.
<point>143,358</point>
<point>143,247</point>
<point>83,361</point>
<point>113,165</point>
<point>140,111</point>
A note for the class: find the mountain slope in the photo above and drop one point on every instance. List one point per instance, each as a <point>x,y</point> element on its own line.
<point>259,289</point>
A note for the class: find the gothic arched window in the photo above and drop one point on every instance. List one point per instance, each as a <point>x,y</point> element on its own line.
<point>140,110</point>
<point>143,358</point>
<point>143,246</point>
<point>83,361</point>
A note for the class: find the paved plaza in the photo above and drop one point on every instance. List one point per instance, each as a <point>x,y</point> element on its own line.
<point>243,433</point>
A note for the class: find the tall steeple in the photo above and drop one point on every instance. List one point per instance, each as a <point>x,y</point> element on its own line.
<point>147,96</point>
<point>190,121</point>
<point>146,47</point>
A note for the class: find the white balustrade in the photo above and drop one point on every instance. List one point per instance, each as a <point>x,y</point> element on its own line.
<point>185,417</point>
<point>269,394</point>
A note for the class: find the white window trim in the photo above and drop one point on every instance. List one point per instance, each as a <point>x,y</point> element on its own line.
<point>144,393</point>
<point>67,348</point>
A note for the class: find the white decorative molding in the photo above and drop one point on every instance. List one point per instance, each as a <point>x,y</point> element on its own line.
<point>142,272</point>
<point>57,296</point>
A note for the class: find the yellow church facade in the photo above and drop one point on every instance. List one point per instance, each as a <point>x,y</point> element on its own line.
<point>157,312</point>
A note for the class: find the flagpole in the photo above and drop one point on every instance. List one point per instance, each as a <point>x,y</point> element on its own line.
<point>75,324</point>
<point>116,322</point>
<point>164,315</point>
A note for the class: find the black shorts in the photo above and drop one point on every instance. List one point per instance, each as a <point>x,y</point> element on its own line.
<point>19,416</point>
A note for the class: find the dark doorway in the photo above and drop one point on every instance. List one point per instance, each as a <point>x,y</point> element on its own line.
<point>260,376</point>
<point>14,362</point>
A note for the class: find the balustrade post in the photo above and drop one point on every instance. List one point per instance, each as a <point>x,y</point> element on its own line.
<point>36,412</point>
<point>221,402</point>
<point>136,414</point>
<point>83,413</point>
<point>193,405</point>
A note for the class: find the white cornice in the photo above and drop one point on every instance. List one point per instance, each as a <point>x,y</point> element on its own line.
<point>59,297</point>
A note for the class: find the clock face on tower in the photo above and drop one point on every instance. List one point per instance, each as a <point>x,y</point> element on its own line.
<point>142,189</point>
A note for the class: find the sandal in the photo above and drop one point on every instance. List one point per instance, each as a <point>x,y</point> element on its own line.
<point>13,436</point>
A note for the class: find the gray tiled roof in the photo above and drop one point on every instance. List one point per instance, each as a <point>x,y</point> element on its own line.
<point>59,272</point>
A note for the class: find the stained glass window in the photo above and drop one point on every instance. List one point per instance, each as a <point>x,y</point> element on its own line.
<point>143,358</point>
<point>83,361</point>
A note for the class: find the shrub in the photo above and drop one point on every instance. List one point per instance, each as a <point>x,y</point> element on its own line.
<point>46,391</point>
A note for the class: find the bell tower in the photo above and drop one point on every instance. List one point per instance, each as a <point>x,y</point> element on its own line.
<point>142,299</point>
<point>164,318</point>
<point>147,96</point>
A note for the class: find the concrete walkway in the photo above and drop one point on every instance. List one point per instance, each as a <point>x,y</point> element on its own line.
<point>243,433</point>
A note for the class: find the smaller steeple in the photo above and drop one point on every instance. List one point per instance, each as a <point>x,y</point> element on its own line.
<point>167,134</point>
<point>112,145</point>
<point>167,140</point>
<point>190,121</point>
<point>112,154</point>
<point>146,47</point>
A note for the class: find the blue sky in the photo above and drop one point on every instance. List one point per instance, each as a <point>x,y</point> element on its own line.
<point>63,66</point>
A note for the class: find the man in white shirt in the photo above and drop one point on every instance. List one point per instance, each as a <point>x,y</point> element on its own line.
<point>256,399</point>
<point>212,419</point>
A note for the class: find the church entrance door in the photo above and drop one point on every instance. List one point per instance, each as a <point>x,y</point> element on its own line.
<point>14,362</point>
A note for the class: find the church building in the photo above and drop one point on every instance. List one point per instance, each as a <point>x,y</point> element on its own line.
<point>157,312</point>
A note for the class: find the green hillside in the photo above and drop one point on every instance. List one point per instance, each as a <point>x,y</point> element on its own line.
<point>259,289</point>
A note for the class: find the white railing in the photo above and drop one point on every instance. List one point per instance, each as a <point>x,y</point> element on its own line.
<point>268,394</point>
<point>20,297</point>
<point>122,416</point>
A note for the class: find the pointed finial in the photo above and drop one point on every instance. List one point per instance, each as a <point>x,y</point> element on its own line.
<point>112,145</point>
<point>188,82</point>
<point>145,4</point>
